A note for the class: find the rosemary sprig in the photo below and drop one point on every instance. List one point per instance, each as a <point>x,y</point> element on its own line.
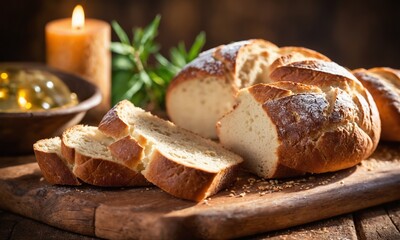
<point>139,72</point>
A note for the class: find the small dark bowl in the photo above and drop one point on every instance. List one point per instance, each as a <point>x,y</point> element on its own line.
<point>20,130</point>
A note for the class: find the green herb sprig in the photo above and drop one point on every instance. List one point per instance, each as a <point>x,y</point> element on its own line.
<point>139,72</point>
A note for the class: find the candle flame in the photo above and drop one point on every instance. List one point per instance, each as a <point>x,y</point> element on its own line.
<point>4,76</point>
<point>78,17</point>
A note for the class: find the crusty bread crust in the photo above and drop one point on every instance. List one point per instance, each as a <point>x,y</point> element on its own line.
<point>68,153</point>
<point>328,75</point>
<point>99,172</point>
<point>318,133</point>
<point>313,72</point>
<point>112,125</point>
<point>305,52</point>
<point>128,151</point>
<point>53,168</point>
<point>282,171</point>
<point>381,83</point>
<point>186,182</point>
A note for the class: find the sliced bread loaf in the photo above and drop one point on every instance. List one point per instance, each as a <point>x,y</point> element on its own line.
<point>298,126</point>
<point>205,89</point>
<point>176,160</point>
<point>55,168</point>
<point>351,101</point>
<point>99,160</point>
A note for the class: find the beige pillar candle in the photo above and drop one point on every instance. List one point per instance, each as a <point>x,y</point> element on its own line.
<point>82,47</point>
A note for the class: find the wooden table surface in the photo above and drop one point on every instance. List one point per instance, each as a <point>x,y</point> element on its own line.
<point>380,222</point>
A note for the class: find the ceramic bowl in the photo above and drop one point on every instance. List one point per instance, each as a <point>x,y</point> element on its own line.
<point>19,130</point>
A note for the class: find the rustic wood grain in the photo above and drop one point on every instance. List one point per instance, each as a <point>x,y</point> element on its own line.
<point>14,227</point>
<point>341,227</point>
<point>393,210</point>
<point>375,224</point>
<point>14,161</point>
<point>249,207</point>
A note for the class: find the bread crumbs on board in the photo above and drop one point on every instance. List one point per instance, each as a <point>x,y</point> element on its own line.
<point>250,185</point>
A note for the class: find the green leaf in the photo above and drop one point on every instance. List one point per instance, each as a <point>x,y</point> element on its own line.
<point>121,48</point>
<point>120,83</point>
<point>121,62</point>
<point>196,47</point>
<point>157,79</point>
<point>166,74</point>
<point>166,64</point>
<point>136,86</point>
<point>140,99</point>
<point>145,78</point>
<point>182,50</point>
<point>140,73</point>
<point>137,37</point>
<point>150,32</point>
<point>120,32</point>
<point>177,58</point>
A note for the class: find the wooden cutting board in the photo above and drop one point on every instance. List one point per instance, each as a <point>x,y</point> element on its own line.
<point>250,206</point>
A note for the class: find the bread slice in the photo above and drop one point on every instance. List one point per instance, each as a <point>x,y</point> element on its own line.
<point>55,168</point>
<point>96,161</point>
<point>295,125</point>
<point>384,85</point>
<point>176,160</point>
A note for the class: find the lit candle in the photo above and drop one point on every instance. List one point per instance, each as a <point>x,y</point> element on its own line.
<point>82,46</point>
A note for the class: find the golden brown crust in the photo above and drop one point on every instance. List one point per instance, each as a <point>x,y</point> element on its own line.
<point>314,72</point>
<point>328,75</point>
<point>54,169</point>
<point>305,52</point>
<point>128,151</point>
<point>318,130</point>
<point>282,171</point>
<point>68,153</point>
<point>186,182</point>
<point>99,172</point>
<point>381,83</point>
<point>261,93</point>
<point>112,125</point>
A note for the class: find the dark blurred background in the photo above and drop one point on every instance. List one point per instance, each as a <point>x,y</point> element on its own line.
<point>352,33</point>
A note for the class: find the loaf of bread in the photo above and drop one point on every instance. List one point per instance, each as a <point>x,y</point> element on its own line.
<point>206,88</point>
<point>315,117</point>
<point>384,85</point>
<point>179,162</point>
